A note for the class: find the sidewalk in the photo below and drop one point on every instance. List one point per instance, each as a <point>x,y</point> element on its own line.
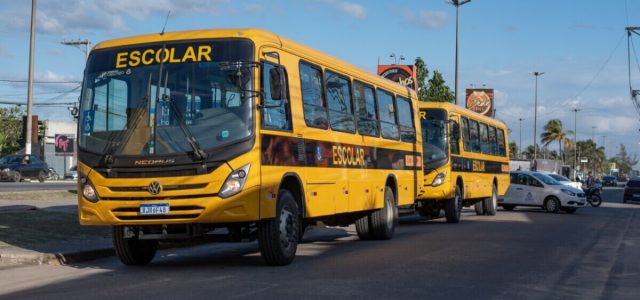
<point>42,228</point>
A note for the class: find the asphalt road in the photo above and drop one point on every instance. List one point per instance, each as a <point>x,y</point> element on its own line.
<point>524,254</point>
<point>34,185</point>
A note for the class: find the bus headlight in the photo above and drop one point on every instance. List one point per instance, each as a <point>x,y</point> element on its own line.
<point>235,182</point>
<point>439,180</point>
<point>89,192</point>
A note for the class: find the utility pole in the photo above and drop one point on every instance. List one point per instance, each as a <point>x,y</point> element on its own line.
<point>520,146</point>
<point>604,145</point>
<point>457,4</point>
<point>575,140</point>
<point>535,117</point>
<point>593,133</point>
<point>32,44</point>
<point>77,43</point>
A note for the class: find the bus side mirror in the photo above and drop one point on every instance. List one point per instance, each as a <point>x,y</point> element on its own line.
<point>277,83</point>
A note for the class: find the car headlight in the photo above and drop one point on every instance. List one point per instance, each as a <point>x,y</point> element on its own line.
<point>439,179</point>
<point>89,191</point>
<point>234,182</point>
<point>568,192</point>
<point>6,170</point>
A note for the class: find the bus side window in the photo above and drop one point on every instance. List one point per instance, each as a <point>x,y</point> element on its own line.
<point>339,102</point>
<point>365,109</point>
<point>405,120</point>
<point>315,113</point>
<point>474,137</point>
<point>387,115</point>
<point>501,145</point>
<point>492,140</point>
<point>484,139</point>
<point>465,134</point>
<point>276,113</point>
<point>453,143</point>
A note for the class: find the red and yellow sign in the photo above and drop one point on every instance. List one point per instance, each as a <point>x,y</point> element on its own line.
<point>480,101</point>
<point>402,74</point>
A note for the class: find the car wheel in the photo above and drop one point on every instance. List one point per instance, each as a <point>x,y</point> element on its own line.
<point>42,176</point>
<point>133,251</point>
<point>278,237</point>
<point>552,204</point>
<point>508,207</point>
<point>453,207</point>
<point>17,177</point>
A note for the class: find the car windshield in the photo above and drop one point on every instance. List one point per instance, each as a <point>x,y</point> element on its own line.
<point>434,138</point>
<point>167,98</point>
<point>559,177</point>
<point>546,179</point>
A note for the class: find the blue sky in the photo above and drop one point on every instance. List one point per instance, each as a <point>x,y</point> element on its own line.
<point>501,43</point>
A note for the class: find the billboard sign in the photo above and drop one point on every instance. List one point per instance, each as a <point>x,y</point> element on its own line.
<point>64,144</point>
<point>480,101</point>
<point>402,74</point>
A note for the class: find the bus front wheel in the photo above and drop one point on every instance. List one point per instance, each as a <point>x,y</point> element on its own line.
<point>453,207</point>
<point>278,237</point>
<point>133,251</point>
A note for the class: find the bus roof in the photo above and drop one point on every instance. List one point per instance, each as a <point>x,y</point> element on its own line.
<point>261,37</point>
<point>462,111</point>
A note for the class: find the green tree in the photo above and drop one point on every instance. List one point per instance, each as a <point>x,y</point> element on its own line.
<point>433,89</point>
<point>553,132</point>
<point>513,150</point>
<point>625,162</point>
<point>10,129</point>
<point>422,73</point>
<point>596,160</point>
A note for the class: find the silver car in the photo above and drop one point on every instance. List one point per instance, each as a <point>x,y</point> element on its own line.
<point>535,189</point>
<point>566,181</point>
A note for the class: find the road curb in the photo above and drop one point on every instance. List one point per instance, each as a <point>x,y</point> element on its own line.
<point>28,257</point>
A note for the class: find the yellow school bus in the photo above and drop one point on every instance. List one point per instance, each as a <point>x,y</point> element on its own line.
<point>240,131</point>
<point>466,161</point>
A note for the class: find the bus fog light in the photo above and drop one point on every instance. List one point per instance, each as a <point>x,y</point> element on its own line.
<point>89,192</point>
<point>235,182</point>
<point>439,180</point>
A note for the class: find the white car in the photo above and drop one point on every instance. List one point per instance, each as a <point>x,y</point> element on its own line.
<point>566,181</point>
<point>529,188</point>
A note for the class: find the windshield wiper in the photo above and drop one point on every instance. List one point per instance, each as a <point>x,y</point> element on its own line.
<point>191,139</point>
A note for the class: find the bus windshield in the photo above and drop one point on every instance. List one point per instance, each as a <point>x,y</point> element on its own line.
<point>167,98</point>
<point>434,138</point>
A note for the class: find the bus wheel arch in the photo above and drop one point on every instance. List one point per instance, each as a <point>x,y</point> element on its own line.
<point>292,183</point>
<point>392,182</point>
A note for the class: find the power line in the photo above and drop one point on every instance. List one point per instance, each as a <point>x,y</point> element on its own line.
<point>601,68</point>
<point>42,82</point>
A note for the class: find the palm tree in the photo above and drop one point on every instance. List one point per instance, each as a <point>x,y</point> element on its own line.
<point>553,131</point>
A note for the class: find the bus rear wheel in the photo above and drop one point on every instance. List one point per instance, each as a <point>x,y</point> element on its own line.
<point>383,222</point>
<point>453,207</point>
<point>491,204</point>
<point>133,251</point>
<point>278,237</point>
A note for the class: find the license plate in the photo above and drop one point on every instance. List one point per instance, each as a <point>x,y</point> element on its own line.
<point>154,209</point>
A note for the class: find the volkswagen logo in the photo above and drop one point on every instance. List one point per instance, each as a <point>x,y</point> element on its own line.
<point>154,188</point>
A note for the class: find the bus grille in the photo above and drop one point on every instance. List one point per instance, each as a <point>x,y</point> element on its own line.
<point>176,212</point>
<point>164,188</point>
<point>150,198</point>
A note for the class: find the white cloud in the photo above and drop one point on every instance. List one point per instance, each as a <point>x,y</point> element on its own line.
<point>425,19</point>
<point>82,16</point>
<point>352,9</point>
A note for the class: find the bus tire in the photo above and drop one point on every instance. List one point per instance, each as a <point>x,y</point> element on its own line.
<point>491,204</point>
<point>383,221</point>
<point>363,228</point>
<point>133,251</point>
<point>278,237</point>
<point>479,207</point>
<point>453,207</point>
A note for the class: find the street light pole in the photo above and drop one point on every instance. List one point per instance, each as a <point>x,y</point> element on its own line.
<point>604,145</point>
<point>520,146</point>
<point>32,44</point>
<point>457,4</point>
<point>593,133</point>
<point>535,117</point>
<point>575,141</point>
